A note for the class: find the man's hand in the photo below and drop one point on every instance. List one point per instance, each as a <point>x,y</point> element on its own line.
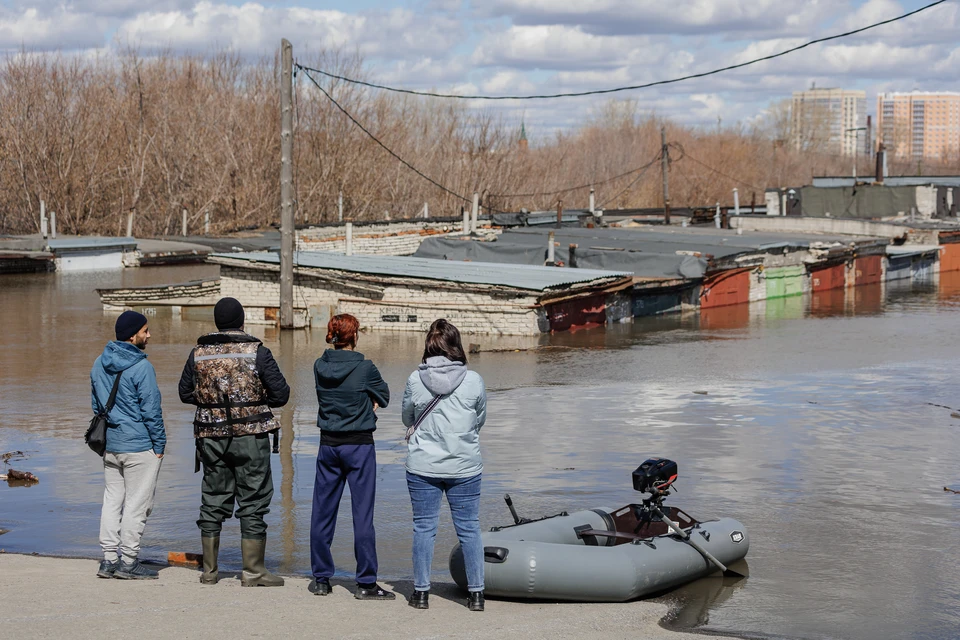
<point>375,406</point>
<point>159,455</point>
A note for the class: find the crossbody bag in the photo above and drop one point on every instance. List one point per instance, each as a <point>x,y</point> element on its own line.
<point>426,411</point>
<point>96,435</point>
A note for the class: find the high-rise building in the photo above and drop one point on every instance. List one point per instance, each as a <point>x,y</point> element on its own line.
<point>920,125</point>
<point>826,120</point>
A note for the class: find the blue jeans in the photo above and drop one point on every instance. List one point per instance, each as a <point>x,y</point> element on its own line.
<point>463,495</point>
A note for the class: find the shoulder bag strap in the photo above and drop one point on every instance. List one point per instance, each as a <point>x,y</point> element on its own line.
<point>113,394</point>
<point>426,411</point>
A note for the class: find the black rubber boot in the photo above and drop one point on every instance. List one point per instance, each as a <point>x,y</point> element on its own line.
<point>255,572</point>
<point>211,549</point>
<point>475,601</point>
<point>419,600</point>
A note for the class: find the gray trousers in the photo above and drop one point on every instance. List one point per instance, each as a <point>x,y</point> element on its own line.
<point>130,485</point>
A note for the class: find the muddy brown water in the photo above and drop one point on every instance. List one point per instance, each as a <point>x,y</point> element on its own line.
<point>818,431</point>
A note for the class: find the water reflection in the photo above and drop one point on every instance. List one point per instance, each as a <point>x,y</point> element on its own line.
<point>817,435</point>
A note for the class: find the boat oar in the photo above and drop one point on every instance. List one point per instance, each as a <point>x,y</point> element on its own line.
<point>693,543</point>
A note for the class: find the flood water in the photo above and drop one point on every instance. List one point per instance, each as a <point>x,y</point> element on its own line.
<point>818,431</point>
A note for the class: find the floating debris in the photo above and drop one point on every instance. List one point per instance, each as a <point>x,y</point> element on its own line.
<point>19,455</point>
<point>701,393</point>
<point>949,490</point>
<point>13,475</point>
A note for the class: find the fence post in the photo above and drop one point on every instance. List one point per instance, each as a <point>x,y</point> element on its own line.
<point>53,225</point>
<point>43,219</point>
<point>349,247</point>
<point>426,210</point>
<point>736,202</point>
<point>551,256</point>
<point>474,212</point>
<point>592,202</point>
<point>130,224</point>
<point>466,221</point>
<point>716,217</point>
<point>184,230</point>
<point>206,223</point>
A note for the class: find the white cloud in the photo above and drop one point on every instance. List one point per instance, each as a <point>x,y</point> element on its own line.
<point>658,17</point>
<point>34,30</point>
<point>254,28</point>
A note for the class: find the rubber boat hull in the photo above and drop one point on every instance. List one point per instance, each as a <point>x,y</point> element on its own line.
<point>549,560</point>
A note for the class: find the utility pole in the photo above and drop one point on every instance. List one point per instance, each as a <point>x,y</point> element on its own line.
<point>559,213</point>
<point>286,185</point>
<point>664,168</point>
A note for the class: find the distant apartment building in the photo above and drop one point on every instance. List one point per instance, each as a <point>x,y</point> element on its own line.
<point>920,125</point>
<point>824,120</point>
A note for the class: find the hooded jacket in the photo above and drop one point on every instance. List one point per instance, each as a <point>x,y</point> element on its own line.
<point>136,420</point>
<point>347,387</point>
<point>447,443</point>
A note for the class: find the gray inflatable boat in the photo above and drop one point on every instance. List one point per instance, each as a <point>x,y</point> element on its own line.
<point>607,555</point>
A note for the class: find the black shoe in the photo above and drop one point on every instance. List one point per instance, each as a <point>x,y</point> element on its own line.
<point>373,592</point>
<point>107,569</point>
<point>475,601</point>
<point>419,600</point>
<point>319,587</point>
<point>135,571</point>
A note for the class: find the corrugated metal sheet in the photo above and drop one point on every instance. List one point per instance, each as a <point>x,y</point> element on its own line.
<point>90,243</point>
<point>890,181</point>
<point>518,276</point>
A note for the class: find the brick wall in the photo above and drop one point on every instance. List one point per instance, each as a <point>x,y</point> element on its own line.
<point>387,239</point>
<point>399,308</point>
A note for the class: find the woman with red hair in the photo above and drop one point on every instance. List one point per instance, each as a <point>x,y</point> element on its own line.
<point>349,391</point>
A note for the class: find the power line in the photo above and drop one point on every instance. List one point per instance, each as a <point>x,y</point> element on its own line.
<point>717,171</point>
<point>632,87</point>
<point>582,186</point>
<point>377,140</point>
<point>632,182</point>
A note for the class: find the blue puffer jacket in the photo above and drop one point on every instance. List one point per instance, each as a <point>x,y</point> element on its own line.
<point>447,444</point>
<point>136,421</point>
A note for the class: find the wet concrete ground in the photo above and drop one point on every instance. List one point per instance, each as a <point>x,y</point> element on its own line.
<point>818,431</point>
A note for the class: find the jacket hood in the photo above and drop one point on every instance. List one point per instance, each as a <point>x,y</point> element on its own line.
<point>336,364</point>
<point>441,375</point>
<point>120,356</point>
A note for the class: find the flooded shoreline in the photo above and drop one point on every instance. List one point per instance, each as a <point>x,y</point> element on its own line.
<point>816,432</point>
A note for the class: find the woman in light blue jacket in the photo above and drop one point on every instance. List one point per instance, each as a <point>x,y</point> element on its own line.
<point>444,407</point>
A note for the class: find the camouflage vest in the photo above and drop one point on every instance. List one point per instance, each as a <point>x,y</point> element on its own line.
<point>231,399</point>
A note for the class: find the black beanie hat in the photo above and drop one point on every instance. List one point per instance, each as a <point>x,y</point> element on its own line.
<point>128,324</point>
<point>228,314</point>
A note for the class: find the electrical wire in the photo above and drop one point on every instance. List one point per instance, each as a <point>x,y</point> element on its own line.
<point>567,190</point>
<point>632,182</point>
<point>687,156</point>
<point>631,87</point>
<point>377,140</point>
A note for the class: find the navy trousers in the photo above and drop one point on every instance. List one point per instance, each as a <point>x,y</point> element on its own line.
<point>356,465</point>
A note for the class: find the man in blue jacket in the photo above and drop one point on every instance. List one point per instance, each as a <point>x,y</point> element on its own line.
<point>135,442</point>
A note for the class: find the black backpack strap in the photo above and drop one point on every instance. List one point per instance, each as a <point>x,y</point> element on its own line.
<point>113,394</point>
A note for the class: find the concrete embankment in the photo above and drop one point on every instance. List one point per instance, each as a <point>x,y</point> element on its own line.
<point>54,597</point>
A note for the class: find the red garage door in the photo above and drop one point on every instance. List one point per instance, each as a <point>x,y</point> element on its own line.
<point>726,288</point>
<point>826,278</point>
<point>868,270</point>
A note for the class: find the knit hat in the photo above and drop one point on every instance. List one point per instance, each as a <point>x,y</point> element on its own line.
<point>228,314</point>
<point>128,324</point>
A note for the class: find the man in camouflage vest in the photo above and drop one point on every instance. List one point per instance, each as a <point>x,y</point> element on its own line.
<point>234,381</point>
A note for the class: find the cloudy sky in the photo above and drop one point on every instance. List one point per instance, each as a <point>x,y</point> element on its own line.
<point>528,46</point>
